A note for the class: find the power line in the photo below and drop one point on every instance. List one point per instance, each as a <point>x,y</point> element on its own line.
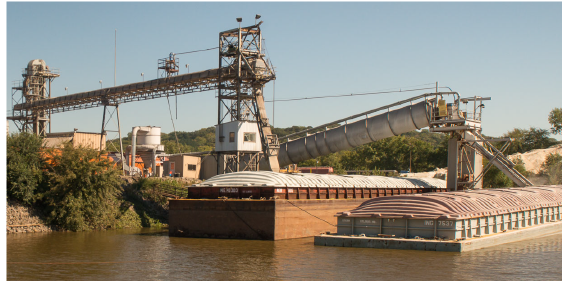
<point>197,51</point>
<point>352,95</point>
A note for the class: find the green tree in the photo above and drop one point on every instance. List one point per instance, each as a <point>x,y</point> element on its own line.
<point>517,144</point>
<point>552,168</point>
<point>555,119</point>
<point>171,147</point>
<point>523,140</point>
<point>394,154</point>
<point>83,190</point>
<point>495,178</point>
<point>538,139</point>
<point>23,166</point>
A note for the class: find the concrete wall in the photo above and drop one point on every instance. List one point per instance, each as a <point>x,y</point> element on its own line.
<point>255,219</point>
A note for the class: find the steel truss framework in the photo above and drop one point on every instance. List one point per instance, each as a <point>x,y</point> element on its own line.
<point>157,88</point>
<point>242,162</point>
<point>240,78</point>
<point>241,97</point>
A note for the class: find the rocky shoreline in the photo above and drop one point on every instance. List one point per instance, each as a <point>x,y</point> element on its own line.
<point>24,219</point>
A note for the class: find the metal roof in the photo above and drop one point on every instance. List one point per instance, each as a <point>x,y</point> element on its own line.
<point>460,204</point>
<point>266,178</point>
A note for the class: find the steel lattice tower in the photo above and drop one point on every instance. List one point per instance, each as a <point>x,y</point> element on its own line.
<point>244,72</point>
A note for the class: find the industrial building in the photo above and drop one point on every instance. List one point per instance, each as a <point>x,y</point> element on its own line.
<point>185,166</point>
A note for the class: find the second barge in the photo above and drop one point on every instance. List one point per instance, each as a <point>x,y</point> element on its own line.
<point>452,221</point>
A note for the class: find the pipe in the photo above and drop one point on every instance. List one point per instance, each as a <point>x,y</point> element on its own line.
<point>134,149</point>
<point>154,162</point>
<point>392,123</point>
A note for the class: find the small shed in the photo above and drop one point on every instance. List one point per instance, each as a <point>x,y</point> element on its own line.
<point>185,166</point>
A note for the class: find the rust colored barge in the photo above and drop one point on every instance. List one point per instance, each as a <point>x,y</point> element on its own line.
<point>274,206</point>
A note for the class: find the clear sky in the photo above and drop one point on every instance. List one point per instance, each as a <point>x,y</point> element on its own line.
<point>509,51</point>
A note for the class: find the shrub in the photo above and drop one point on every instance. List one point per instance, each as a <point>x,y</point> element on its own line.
<point>83,190</point>
<point>23,166</point>
<point>495,178</point>
<point>552,168</point>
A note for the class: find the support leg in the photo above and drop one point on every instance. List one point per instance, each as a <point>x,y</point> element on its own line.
<point>120,140</point>
<point>102,126</point>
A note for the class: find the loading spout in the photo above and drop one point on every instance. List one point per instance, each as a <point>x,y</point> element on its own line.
<point>370,129</point>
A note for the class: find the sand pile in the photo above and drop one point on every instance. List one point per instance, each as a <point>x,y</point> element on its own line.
<point>535,158</point>
<point>440,173</point>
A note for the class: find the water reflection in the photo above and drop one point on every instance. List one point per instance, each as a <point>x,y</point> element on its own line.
<point>150,254</point>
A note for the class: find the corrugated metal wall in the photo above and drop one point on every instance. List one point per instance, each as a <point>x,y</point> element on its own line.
<point>88,140</point>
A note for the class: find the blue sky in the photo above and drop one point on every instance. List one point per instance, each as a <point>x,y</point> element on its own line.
<point>509,51</point>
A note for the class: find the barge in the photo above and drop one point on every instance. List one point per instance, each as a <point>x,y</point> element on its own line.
<point>453,221</point>
<point>272,206</point>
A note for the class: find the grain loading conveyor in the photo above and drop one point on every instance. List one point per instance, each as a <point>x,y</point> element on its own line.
<point>466,144</point>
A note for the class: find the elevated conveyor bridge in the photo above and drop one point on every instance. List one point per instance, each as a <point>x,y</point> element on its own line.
<point>152,89</point>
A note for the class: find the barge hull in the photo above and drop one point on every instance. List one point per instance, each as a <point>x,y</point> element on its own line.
<point>255,219</point>
<point>434,245</point>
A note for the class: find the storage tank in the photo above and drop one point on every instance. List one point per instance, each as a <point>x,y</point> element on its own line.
<point>149,137</point>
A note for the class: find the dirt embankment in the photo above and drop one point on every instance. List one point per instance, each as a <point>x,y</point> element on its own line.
<point>23,219</point>
<point>534,159</point>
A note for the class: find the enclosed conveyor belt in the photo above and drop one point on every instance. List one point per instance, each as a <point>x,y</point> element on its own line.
<point>392,123</point>
<point>162,87</point>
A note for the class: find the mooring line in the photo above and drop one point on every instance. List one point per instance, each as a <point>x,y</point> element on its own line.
<point>228,205</point>
<point>310,213</point>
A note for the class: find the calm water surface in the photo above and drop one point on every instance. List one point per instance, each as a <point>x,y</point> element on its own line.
<point>150,254</point>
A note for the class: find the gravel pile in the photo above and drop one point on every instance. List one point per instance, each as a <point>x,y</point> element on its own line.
<point>23,219</point>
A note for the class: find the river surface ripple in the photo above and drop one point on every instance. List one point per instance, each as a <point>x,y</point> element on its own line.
<point>149,254</point>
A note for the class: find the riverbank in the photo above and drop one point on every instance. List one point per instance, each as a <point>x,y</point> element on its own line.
<point>24,219</point>
<point>140,207</point>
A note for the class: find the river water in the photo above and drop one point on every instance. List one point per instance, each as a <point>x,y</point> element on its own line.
<point>149,254</point>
